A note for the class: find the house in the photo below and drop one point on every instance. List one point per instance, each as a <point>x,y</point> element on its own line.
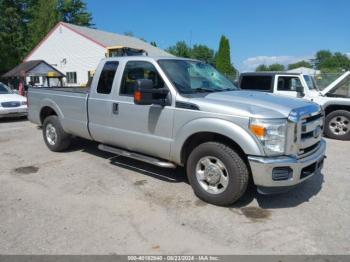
<point>305,70</point>
<point>76,51</point>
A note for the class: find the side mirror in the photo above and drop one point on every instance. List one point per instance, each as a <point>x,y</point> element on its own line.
<point>145,94</point>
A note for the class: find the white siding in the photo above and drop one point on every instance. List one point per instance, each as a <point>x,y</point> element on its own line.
<point>81,54</point>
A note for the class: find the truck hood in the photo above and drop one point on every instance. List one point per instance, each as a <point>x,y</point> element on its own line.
<point>336,84</point>
<point>253,104</point>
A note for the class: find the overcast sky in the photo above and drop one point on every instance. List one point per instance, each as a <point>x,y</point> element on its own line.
<point>259,31</point>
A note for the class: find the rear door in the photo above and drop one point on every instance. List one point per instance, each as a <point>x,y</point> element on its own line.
<point>101,105</point>
<point>287,85</point>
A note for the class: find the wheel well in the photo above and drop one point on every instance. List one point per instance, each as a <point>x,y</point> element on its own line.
<point>202,137</point>
<point>45,112</point>
<point>331,108</point>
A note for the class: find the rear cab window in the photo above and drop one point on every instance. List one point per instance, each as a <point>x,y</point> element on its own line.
<point>258,83</point>
<point>106,79</point>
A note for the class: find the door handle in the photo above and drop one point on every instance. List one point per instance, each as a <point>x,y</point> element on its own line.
<point>115,108</point>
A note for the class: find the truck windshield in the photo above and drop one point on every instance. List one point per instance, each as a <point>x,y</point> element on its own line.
<point>310,82</point>
<point>190,76</point>
<point>4,89</point>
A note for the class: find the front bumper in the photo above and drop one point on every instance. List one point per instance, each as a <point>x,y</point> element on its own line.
<point>13,112</point>
<point>300,169</point>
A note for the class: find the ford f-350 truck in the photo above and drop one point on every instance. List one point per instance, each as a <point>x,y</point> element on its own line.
<point>179,112</point>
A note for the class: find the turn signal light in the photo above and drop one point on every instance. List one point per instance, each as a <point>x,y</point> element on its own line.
<point>137,96</point>
<point>259,131</point>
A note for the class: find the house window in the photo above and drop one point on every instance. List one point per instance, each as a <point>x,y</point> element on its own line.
<point>34,80</point>
<point>71,77</point>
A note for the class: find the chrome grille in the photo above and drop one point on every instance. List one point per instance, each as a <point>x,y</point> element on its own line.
<point>11,104</point>
<point>311,130</point>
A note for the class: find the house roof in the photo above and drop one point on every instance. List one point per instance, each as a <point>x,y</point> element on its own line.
<point>30,67</point>
<point>107,39</point>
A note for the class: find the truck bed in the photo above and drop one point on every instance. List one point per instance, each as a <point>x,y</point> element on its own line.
<point>69,104</point>
<point>71,89</point>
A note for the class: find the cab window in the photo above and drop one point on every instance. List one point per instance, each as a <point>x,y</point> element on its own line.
<point>287,83</point>
<point>106,78</point>
<point>135,70</point>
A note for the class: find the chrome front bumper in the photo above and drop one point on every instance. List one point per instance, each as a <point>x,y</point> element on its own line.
<point>300,169</point>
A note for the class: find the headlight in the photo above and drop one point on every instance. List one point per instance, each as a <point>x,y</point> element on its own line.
<point>271,134</point>
<point>24,103</point>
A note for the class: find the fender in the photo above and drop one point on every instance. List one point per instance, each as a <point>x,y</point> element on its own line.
<point>240,136</point>
<point>46,102</point>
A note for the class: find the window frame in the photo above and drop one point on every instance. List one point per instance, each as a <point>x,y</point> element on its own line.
<point>290,77</point>
<point>114,77</point>
<point>123,72</point>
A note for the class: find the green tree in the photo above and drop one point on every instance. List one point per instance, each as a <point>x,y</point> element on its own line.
<point>13,17</point>
<point>203,53</point>
<point>302,63</point>
<point>180,49</point>
<point>327,61</point>
<point>44,16</point>
<point>74,12</point>
<point>223,58</point>
<point>262,68</point>
<point>154,43</point>
<point>273,67</point>
<point>277,67</point>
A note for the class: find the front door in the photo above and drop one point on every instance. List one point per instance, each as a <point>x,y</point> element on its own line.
<point>145,129</point>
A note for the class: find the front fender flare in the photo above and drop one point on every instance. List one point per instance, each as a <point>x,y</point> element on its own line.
<point>237,134</point>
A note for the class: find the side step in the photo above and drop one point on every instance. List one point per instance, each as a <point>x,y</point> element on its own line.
<point>140,157</point>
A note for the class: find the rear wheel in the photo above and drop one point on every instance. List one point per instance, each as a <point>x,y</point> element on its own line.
<point>337,125</point>
<point>217,174</point>
<point>54,136</point>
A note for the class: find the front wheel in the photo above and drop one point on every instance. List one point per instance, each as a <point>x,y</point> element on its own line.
<point>337,125</point>
<point>217,174</point>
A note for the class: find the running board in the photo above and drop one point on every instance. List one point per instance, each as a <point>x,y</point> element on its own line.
<point>140,157</point>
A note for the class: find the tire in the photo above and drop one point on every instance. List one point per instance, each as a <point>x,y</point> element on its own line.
<point>235,173</point>
<point>54,136</point>
<point>337,125</point>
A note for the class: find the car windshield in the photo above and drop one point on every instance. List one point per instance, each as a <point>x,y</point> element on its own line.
<point>310,82</point>
<point>4,89</point>
<point>191,76</point>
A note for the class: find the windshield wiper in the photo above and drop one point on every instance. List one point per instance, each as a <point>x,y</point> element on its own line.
<point>204,90</point>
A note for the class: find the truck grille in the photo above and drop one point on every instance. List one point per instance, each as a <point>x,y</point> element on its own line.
<point>311,134</point>
<point>11,104</point>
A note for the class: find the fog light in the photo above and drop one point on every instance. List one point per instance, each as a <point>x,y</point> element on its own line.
<point>281,173</point>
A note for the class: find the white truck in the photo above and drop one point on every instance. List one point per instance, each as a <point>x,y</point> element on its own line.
<point>335,98</point>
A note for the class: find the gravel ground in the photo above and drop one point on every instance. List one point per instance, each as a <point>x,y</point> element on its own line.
<point>85,201</point>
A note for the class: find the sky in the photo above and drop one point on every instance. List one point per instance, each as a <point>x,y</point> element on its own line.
<point>265,31</point>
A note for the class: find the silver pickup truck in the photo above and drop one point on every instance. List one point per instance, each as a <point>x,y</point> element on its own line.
<point>178,112</point>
